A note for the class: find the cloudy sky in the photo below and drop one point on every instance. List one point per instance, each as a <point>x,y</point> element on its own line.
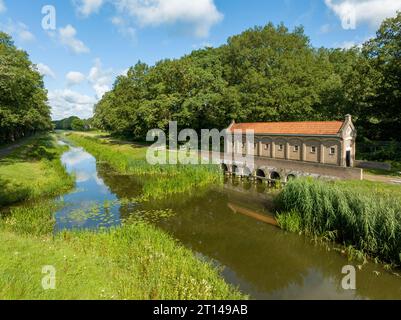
<point>90,42</point>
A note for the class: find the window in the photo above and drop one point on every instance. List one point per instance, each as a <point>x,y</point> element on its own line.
<point>296,148</point>
<point>266,146</point>
<point>313,150</point>
<point>280,147</point>
<point>332,151</point>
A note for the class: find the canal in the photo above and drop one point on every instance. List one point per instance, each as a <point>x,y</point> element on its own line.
<point>228,226</point>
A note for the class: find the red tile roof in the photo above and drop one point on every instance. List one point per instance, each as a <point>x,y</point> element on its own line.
<point>293,128</point>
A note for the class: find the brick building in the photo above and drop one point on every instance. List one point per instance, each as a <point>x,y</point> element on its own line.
<point>323,142</point>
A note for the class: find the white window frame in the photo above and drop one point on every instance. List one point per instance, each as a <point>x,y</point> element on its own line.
<point>296,148</point>
<point>313,149</point>
<point>333,151</point>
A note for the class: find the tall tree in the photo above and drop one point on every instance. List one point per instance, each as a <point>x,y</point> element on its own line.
<point>23,99</point>
<point>384,54</point>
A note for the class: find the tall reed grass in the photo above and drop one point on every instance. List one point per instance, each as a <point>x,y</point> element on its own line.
<point>366,216</point>
<point>162,180</point>
<point>134,261</point>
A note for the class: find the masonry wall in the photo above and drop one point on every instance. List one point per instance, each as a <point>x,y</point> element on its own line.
<point>297,168</point>
<point>306,149</point>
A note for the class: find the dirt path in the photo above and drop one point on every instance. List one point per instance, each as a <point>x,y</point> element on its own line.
<point>386,179</point>
<point>7,150</point>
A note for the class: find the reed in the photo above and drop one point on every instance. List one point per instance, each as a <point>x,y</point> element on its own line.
<point>364,215</point>
<point>135,261</point>
<point>161,180</point>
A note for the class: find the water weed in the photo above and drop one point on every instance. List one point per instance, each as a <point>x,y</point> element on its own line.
<point>161,180</point>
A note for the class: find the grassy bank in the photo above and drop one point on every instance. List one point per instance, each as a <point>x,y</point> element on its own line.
<point>33,170</point>
<point>362,215</point>
<point>132,262</point>
<point>161,180</point>
<point>135,261</point>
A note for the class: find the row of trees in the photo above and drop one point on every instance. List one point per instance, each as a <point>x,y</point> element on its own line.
<point>73,123</point>
<point>23,98</point>
<point>265,74</point>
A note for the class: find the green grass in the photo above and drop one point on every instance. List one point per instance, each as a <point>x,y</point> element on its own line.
<point>364,215</point>
<point>33,170</point>
<point>135,261</point>
<point>160,180</point>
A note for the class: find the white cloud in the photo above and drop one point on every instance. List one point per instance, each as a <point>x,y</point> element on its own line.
<point>347,44</point>
<point>74,78</point>
<point>66,103</point>
<point>100,79</point>
<point>124,27</point>
<point>201,15</point>
<point>18,30</point>
<point>68,38</point>
<point>45,70</point>
<point>2,7</point>
<point>358,42</point>
<point>124,72</point>
<point>324,29</point>
<point>87,7</point>
<point>202,45</point>
<point>364,11</point>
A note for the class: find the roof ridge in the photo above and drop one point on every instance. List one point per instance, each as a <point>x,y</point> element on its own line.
<point>293,127</point>
<point>288,122</point>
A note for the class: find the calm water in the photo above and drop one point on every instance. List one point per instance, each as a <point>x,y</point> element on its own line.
<point>262,260</point>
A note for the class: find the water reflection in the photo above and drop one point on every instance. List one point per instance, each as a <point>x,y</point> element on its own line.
<point>259,258</point>
<point>92,205</point>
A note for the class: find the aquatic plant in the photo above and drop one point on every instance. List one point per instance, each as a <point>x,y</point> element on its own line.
<point>366,216</point>
<point>135,261</point>
<point>161,180</point>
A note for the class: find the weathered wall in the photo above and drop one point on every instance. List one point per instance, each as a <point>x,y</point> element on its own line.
<point>286,167</point>
<point>373,165</point>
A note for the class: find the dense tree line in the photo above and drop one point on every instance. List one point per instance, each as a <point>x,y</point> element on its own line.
<point>73,123</point>
<point>265,74</point>
<point>23,99</point>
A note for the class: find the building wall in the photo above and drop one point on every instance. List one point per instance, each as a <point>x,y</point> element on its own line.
<point>306,149</point>
<point>295,149</point>
<point>280,148</point>
<point>310,155</point>
<point>330,158</point>
<point>298,168</point>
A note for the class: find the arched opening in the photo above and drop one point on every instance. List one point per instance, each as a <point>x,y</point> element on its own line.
<point>275,176</point>
<point>291,177</point>
<point>224,168</point>
<point>260,174</point>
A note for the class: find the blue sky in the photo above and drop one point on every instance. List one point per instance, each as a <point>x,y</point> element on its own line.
<point>95,40</point>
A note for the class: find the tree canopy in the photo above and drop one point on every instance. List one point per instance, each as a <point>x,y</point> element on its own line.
<point>264,74</point>
<point>73,123</point>
<point>23,99</point>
